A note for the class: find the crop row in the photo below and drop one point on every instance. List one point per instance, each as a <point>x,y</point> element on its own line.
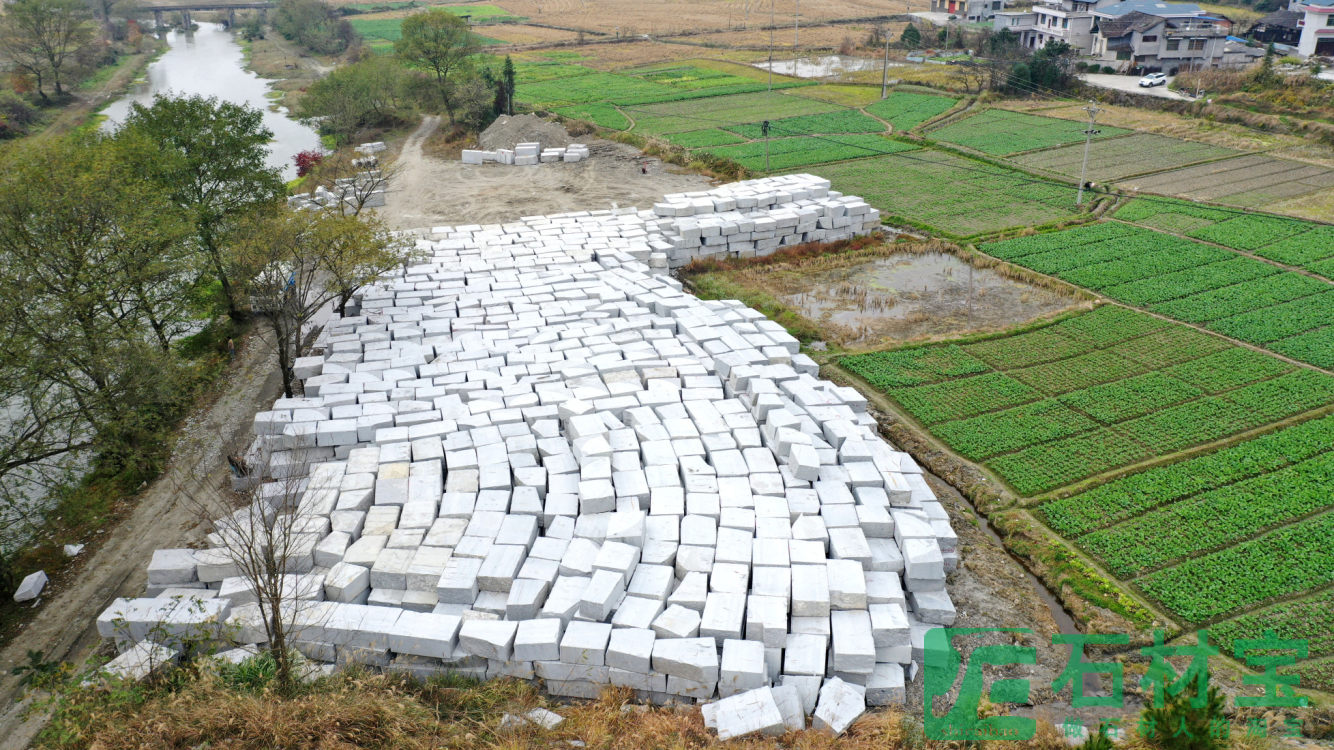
<point>1284,562</point>
<point>1168,286</point>
<point>705,138</point>
<point>1309,619</point>
<point>1001,132</point>
<point>914,366</point>
<point>1228,369</point>
<point>1241,298</point>
<point>908,185</point>
<point>1050,465</point>
<point>1130,496</point>
<point>719,111</point>
<point>788,153</point>
<point>1026,349</point>
<point>905,110</point>
<point>1078,372</point>
<point>980,438</point>
<point>842,121</point>
<point>1316,347</point>
<point>1142,209</point>
<point>1278,321</point>
<point>1251,231</point>
<point>598,113</point>
<point>1133,397</point>
<point>1212,519</point>
<point>967,397</point>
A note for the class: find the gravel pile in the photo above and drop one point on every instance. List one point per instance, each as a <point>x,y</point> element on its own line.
<point>508,132</point>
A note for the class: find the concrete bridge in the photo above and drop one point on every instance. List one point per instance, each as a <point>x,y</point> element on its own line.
<point>186,8</point>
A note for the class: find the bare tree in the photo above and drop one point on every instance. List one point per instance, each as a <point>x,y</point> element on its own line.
<point>267,534</point>
<point>358,182</point>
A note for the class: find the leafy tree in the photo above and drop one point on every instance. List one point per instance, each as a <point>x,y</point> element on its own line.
<point>296,262</point>
<point>90,259</point>
<point>507,78</point>
<point>213,163</point>
<point>911,37</point>
<point>42,37</point>
<point>368,93</point>
<point>315,25</point>
<point>440,42</point>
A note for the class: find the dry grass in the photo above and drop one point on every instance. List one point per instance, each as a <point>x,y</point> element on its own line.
<point>525,34</point>
<point>825,37</point>
<point>375,712</point>
<point>1164,123</point>
<point>637,17</point>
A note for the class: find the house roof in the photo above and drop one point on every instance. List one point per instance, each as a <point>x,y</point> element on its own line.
<point>1130,22</point>
<point>1156,8</point>
<point>1283,19</point>
<point>1319,3</point>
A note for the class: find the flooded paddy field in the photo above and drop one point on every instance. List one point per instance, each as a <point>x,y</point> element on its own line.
<point>881,297</point>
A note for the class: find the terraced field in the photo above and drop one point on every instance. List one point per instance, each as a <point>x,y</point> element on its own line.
<point>1001,132</point>
<point>980,198</point>
<point>1251,181</point>
<point>1247,299</point>
<point>1118,158</point>
<point>1096,392</point>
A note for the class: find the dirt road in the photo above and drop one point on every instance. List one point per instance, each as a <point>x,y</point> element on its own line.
<point>64,628</point>
<point>426,191</point>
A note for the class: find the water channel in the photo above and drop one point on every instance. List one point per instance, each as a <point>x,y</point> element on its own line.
<point>209,62</point>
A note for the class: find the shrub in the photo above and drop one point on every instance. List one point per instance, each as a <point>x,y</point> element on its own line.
<point>15,115</point>
<point>306,161</point>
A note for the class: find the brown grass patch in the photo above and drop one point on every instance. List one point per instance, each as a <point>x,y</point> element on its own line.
<point>633,17</point>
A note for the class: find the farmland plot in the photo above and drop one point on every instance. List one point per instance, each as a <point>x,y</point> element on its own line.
<point>1292,242</point>
<point>906,110</point>
<point>1224,533</point>
<point>1251,181</point>
<point>981,198</point>
<point>722,111</point>
<point>791,153</point>
<point>1118,158</point>
<point>1051,406</point>
<point>1236,296</point>
<point>1002,132</point>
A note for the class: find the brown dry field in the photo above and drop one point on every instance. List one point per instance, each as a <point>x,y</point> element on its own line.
<point>617,55</point>
<point>524,34</point>
<point>816,36</point>
<point>1162,123</point>
<point>676,16</point>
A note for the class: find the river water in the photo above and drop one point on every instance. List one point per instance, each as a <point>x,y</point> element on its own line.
<point>209,62</point>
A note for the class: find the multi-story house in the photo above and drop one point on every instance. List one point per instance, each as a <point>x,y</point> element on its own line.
<point>972,11</point>
<point>1051,20</point>
<point>1317,25</point>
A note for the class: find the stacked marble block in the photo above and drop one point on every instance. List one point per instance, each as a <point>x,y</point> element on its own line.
<point>756,217</point>
<point>527,154</point>
<point>532,457</point>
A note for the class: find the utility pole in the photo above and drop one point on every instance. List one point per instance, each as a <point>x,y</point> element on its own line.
<point>1093,111</point>
<point>764,129</point>
<point>771,46</point>
<point>884,77</point>
<point>796,30</point>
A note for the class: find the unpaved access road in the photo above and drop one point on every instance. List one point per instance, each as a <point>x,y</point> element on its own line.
<point>425,191</point>
<point>64,628</point>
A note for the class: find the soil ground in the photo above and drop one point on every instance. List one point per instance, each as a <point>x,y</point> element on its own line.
<point>64,627</point>
<point>427,191</point>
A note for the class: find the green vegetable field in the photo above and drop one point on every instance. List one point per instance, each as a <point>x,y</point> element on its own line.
<point>1052,406</point>
<point>1248,299</point>
<point>1001,132</point>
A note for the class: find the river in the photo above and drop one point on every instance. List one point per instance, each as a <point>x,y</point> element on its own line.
<point>209,62</point>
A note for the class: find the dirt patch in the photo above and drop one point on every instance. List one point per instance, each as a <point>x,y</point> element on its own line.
<point>507,132</point>
<point>428,192</point>
<point>64,628</point>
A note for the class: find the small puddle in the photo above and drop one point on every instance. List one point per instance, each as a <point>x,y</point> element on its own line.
<point>908,296</point>
<point>824,66</point>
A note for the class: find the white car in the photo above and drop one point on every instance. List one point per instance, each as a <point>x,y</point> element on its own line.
<point>1153,79</point>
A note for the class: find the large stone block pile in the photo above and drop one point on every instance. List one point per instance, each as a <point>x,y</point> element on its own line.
<point>531,456</point>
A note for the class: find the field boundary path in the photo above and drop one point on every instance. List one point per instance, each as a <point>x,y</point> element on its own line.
<point>64,628</point>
